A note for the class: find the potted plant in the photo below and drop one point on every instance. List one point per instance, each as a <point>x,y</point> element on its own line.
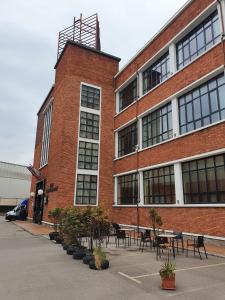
<point>55,215</point>
<point>99,262</point>
<point>167,273</point>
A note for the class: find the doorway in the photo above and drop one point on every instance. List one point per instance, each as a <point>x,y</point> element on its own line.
<point>38,203</point>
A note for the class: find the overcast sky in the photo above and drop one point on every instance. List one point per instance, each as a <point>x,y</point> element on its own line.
<point>28,47</point>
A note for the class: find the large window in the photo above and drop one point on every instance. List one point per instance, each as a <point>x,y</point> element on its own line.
<point>128,95</point>
<point>204,180</point>
<point>157,126</point>
<point>89,126</point>
<point>88,156</point>
<point>198,40</point>
<point>128,189</point>
<point>127,140</point>
<point>159,187</point>
<point>86,191</point>
<point>203,106</point>
<point>156,73</point>
<point>46,136</point>
<point>90,97</point>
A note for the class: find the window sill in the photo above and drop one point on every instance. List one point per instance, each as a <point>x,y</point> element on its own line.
<point>124,156</point>
<point>84,205</point>
<point>170,205</point>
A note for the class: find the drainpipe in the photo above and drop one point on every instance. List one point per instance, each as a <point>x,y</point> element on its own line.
<point>220,11</point>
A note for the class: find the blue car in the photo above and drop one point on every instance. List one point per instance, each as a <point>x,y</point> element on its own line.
<point>19,212</point>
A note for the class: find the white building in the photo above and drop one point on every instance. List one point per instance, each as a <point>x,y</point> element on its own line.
<point>15,183</point>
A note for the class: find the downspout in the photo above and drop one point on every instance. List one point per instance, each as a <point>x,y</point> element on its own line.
<point>222,33</point>
<point>137,153</point>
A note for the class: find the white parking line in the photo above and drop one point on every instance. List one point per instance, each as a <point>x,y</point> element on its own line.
<point>129,277</point>
<point>181,270</point>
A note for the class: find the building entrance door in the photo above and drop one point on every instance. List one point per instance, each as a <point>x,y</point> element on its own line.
<point>39,203</point>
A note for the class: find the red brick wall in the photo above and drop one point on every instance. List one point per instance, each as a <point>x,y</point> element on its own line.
<point>78,65</point>
<point>199,68</point>
<point>203,220</point>
<point>196,220</point>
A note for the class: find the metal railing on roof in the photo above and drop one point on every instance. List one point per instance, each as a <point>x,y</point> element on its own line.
<point>84,31</point>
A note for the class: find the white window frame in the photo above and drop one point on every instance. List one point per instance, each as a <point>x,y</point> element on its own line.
<point>86,171</point>
<point>46,134</point>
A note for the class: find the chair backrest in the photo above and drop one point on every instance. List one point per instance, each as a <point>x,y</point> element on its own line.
<point>161,240</point>
<point>120,234</point>
<point>200,241</point>
<point>116,226</point>
<point>148,233</point>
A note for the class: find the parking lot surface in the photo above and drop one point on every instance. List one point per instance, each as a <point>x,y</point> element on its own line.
<point>32,267</point>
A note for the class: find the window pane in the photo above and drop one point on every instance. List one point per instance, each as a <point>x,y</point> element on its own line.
<point>159,187</point>
<point>156,73</point>
<point>205,184</point>
<point>90,97</point>
<point>203,106</point>
<point>86,190</point>
<point>198,40</point>
<point>127,140</point>
<point>157,126</point>
<point>128,95</point>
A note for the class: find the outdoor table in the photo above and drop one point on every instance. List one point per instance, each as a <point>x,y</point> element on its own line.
<point>171,237</point>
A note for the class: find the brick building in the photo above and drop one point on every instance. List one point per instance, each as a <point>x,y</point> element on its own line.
<point>150,135</point>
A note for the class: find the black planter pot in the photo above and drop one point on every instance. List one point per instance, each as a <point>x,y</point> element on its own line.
<point>53,235</point>
<point>87,258</point>
<point>58,239</point>
<point>70,249</point>
<point>79,253</point>
<point>65,245</point>
<point>104,265</point>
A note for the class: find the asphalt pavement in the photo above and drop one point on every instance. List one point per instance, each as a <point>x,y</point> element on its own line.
<point>34,268</point>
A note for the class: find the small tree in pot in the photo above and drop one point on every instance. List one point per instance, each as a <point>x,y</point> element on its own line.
<point>55,215</point>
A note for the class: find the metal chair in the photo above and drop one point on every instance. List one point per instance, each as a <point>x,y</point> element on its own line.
<point>197,243</point>
<point>121,235</point>
<point>179,237</point>
<point>145,239</point>
<point>162,243</point>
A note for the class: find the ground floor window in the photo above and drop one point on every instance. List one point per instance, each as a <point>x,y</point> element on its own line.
<point>204,180</point>
<point>128,189</point>
<point>86,189</point>
<point>159,186</point>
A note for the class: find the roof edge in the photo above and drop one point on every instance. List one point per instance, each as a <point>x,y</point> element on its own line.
<point>70,42</point>
<point>183,7</point>
<point>46,98</point>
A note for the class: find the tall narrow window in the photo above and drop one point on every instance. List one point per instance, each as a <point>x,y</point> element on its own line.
<point>159,186</point>
<point>46,136</point>
<point>156,73</point>
<point>157,126</point>
<point>128,189</point>
<point>128,95</point>
<point>198,40</point>
<point>89,125</point>
<point>86,191</point>
<point>127,140</point>
<point>90,97</point>
<point>203,106</point>
<point>204,180</point>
